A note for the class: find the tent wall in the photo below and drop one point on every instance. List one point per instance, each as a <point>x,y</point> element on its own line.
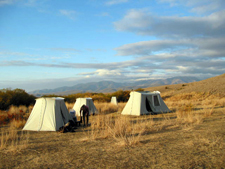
<point>47,123</point>
<point>48,114</point>
<point>133,106</point>
<point>36,117</point>
<point>62,115</point>
<point>86,101</point>
<point>114,100</point>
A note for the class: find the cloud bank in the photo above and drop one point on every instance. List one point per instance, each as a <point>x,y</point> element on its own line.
<point>186,45</point>
<point>143,23</point>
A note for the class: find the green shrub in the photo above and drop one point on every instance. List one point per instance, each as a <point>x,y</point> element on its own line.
<point>15,97</point>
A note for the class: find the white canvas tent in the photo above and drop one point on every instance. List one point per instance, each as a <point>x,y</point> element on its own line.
<point>114,100</point>
<point>48,114</point>
<point>141,103</point>
<point>86,101</point>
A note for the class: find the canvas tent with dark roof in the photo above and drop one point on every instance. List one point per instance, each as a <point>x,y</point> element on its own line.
<point>145,102</point>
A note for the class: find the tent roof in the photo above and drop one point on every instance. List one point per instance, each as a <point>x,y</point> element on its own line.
<point>51,98</point>
<point>85,98</point>
<point>147,92</point>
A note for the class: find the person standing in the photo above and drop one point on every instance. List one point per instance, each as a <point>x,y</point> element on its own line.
<point>85,113</point>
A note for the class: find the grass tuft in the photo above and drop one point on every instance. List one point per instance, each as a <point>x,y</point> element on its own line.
<point>13,140</point>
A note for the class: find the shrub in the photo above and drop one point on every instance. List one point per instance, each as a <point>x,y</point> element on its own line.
<point>20,113</point>
<point>122,96</point>
<point>15,97</point>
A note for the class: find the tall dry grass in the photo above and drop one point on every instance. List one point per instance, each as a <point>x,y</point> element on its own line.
<point>121,128</point>
<point>186,114</point>
<point>11,137</point>
<point>13,140</point>
<point>19,114</point>
<point>20,109</point>
<point>103,107</point>
<point>194,98</point>
<point>17,124</point>
<point>126,131</point>
<point>106,108</point>
<point>108,123</point>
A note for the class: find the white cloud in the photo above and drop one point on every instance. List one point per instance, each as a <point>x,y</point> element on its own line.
<point>149,47</point>
<point>205,8</point>
<point>144,23</point>
<point>71,14</point>
<point>206,47</point>
<point>105,72</point>
<point>182,68</point>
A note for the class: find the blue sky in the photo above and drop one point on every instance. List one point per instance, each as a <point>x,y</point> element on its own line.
<point>54,43</point>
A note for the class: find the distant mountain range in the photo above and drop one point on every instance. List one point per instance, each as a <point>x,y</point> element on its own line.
<point>110,86</point>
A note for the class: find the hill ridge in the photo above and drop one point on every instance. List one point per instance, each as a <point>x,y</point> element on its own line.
<point>111,86</point>
<point>214,85</point>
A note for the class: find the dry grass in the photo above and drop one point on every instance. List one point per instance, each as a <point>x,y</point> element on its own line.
<point>103,107</point>
<point>19,114</point>
<point>192,136</point>
<point>20,109</point>
<point>17,124</point>
<point>13,140</point>
<point>125,131</point>
<point>106,108</point>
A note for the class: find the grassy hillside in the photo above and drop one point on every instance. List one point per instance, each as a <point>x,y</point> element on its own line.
<point>214,85</point>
